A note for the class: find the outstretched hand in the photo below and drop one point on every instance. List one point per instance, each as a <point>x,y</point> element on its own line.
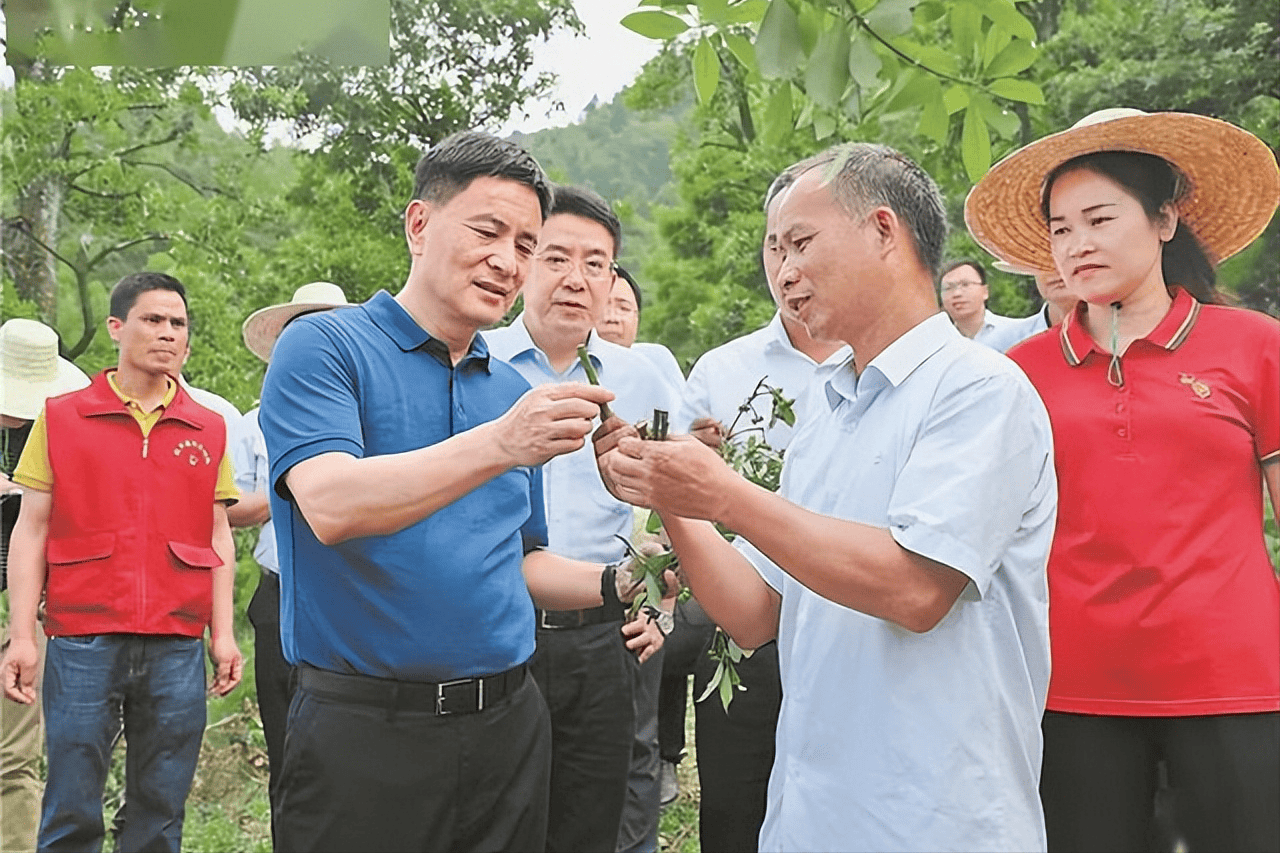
<point>680,476</point>
<point>549,421</point>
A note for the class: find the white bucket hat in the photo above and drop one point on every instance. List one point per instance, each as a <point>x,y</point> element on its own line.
<point>31,370</point>
<point>265,325</point>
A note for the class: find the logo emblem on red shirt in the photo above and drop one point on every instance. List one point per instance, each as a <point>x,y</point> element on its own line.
<point>195,452</point>
<point>1199,388</point>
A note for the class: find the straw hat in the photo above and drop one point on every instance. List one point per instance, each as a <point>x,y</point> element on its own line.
<point>264,325</point>
<point>31,370</point>
<point>1015,269</point>
<point>1232,181</point>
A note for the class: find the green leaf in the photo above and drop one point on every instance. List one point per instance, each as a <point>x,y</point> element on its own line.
<point>915,90</point>
<point>777,115</point>
<point>955,99</point>
<point>828,72</point>
<point>864,63</point>
<point>824,124</point>
<point>1005,15</point>
<point>706,70</point>
<point>1002,121</point>
<point>654,523</point>
<point>713,11</point>
<point>934,120</point>
<point>716,679</point>
<point>891,17</point>
<point>655,24</point>
<point>975,144</point>
<point>653,591</point>
<point>966,28</point>
<point>1013,89</point>
<point>778,50</point>
<point>1017,56</point>
<point>931,56</point>
<point>726,692</point>
<point>740,47</point>
<point>749,12</point>
<point>997,40</point>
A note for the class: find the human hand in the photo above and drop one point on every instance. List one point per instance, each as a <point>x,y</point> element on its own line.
<point>642,636</point>
<point>548,421</point>
<point>604,440</point>
<point>709,431</point>
<point>680,476</point>
<point>228,665</point>
<point>18,670</point>
<point>629,577</point>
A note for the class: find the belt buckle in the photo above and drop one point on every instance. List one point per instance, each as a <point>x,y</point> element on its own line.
<point>542,619</point>
<point>440,688</point>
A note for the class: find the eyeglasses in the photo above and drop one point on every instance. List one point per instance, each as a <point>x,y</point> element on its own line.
<point>959,285</point>
<point>595,270</point>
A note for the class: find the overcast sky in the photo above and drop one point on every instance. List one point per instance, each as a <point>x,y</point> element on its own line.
<point>601,64</point>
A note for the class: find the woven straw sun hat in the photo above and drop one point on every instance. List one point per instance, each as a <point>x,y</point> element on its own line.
<point>31,370</point>
<point>1231,182</point>
<point>265,325</point>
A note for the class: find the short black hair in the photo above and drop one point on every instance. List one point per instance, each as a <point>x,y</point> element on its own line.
<point>454,162</point>
<point>965,262</point>
<point>635,288</point>
<point>127,290</point>
<point>579,201</point>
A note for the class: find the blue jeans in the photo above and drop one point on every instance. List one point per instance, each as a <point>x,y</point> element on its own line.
<point>154,688</point>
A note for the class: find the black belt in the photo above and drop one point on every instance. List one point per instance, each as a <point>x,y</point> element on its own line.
<point>558,619</point>
<point>460,696</point>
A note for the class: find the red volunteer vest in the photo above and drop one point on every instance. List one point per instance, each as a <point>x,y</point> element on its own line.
<point>130,545</point>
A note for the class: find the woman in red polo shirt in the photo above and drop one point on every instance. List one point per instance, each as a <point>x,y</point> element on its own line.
<point>1164,606</point>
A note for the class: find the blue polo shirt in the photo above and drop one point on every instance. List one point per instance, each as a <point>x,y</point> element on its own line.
<point>445,597</point>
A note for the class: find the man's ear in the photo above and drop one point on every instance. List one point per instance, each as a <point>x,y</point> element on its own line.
<point>113,328</point>
<point>888,228</point>
<point>416,216</point>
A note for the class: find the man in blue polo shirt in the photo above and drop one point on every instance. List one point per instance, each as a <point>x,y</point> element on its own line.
<point>407,497</point>
<point>582,666</point>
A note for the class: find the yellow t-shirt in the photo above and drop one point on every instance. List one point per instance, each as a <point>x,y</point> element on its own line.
<point>35,472</point>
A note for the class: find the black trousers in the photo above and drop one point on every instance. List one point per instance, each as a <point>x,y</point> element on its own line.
<point>272,675</point>
<point>1099,781</point>
<point>587,676</point>
<point>363,778</point>
<point>686,643</point>
<point>735,752</point>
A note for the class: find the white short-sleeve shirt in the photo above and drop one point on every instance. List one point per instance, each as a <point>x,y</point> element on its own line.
<point>888,739</point>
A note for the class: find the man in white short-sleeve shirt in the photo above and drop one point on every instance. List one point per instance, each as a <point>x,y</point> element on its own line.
<point>901,568</point>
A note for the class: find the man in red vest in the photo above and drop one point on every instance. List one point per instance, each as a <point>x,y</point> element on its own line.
<point>124,528</point>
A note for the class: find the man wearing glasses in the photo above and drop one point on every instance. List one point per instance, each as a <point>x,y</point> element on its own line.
<point>964,297</point>
<point>582,664</point>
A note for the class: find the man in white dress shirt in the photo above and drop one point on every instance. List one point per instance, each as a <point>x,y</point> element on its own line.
<point>581,665</point>
<point>964,291</point>
<point>735,750</point>
<point>901,567</point>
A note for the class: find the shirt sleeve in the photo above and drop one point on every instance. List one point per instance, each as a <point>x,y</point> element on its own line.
<point>768,570</point>
<point>33,470</point>
<point>309,403</point>
<point>226,490</point>
<point>983,457</point>
<point>240,446</point>
<point>534,531</point>
<point>1266,427</point>
<point>695,402</point>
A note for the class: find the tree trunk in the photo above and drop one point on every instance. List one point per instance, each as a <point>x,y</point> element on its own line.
<point>32,265</point>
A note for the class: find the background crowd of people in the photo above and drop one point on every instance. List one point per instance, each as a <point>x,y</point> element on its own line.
<point>994,603</point>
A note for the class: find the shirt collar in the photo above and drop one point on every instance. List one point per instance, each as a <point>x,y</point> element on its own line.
<point>171,389</point>
<point>1169,333</point>
<point>522,342</point>
<point>898,360</point>
<point>398,324</point>
<point>778,339</point>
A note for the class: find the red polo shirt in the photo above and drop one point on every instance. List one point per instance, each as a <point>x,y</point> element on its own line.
<point>1162,598</point>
